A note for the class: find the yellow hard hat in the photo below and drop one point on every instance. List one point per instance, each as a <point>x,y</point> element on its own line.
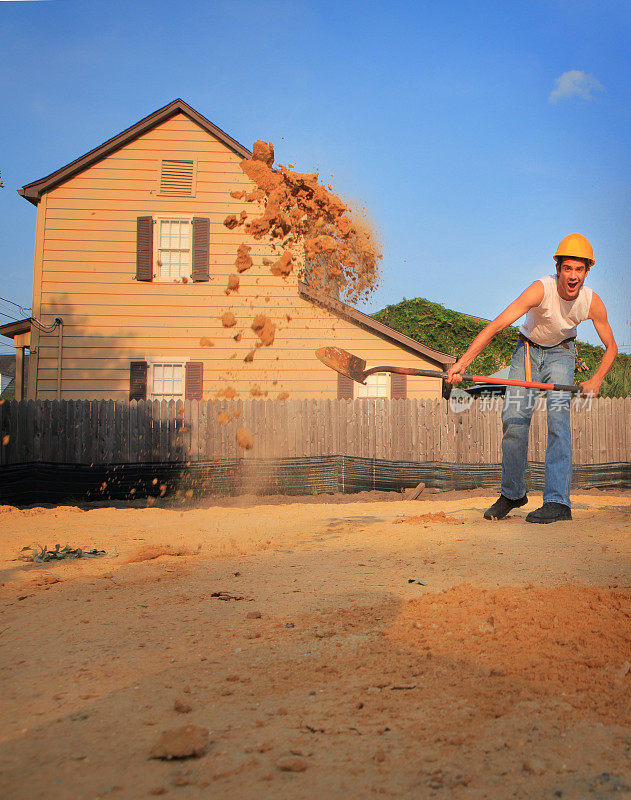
<point>575,246</point>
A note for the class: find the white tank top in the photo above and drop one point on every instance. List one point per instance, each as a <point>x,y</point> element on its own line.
<point>555,319</point>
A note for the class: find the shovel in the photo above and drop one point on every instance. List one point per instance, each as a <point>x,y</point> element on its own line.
<point>355,368</point>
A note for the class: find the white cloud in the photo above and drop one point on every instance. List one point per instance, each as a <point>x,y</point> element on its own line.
<point>575,83</point>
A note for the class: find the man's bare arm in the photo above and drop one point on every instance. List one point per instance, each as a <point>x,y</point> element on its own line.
<point>530,298</point>
<point>598,315</point>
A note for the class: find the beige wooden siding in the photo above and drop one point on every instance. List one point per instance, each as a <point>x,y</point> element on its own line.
<point>87,266</point>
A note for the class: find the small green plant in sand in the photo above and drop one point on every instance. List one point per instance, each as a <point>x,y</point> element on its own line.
<point>41,554</point>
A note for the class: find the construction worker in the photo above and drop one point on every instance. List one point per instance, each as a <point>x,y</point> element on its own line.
<point>545,353</point>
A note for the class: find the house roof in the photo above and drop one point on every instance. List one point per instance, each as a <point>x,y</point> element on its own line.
<point>371,325</point>
<point>33,191</point>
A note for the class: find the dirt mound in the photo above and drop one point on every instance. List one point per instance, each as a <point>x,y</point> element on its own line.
<point>526,643</point>
<point>149,552</point>
<point>340,247</point>
<point>439,516</point>
<point>188,742</point>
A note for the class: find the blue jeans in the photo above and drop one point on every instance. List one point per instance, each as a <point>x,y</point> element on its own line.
<point>549,365</point>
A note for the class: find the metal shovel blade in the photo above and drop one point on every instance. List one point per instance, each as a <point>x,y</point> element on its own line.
<point>343,362</point>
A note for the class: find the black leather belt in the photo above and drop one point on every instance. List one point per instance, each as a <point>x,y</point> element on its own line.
<point>565,343</point>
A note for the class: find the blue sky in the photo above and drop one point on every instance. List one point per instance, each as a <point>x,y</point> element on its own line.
<point>477,135</point>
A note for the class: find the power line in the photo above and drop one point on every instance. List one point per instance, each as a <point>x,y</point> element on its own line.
<point>15,319</point>
<point>17,305</point>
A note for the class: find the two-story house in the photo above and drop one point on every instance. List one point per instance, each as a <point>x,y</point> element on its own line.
<point>133,260</point>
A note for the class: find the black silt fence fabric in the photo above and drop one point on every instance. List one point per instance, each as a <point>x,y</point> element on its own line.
<point>53,483</point>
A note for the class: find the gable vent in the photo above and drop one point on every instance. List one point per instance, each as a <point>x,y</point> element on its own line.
<point>176,178</point>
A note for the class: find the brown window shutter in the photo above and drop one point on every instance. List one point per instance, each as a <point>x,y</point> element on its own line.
<point>344,387</point>
<point>138,380</point>
<point>194,380</point>
<point>201,248</point>
<point>398,386</point>
<point>144,248</point>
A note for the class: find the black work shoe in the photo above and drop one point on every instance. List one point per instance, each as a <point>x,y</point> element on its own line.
<point>550,512</point>
<point>502,506</point>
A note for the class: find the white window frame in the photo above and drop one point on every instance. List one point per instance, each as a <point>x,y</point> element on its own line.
<point>368,392</point>
<point>158,220</point>
<point>180,361</point>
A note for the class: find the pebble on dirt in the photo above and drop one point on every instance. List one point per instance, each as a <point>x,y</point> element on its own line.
<point>189,741</point>
<point>182,707</point>
<point>534,765</point>
<point>291,764</point>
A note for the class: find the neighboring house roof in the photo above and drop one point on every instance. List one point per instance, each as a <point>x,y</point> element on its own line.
<point>34,191</point>
<point>7,367</point>
<point>371,325</point>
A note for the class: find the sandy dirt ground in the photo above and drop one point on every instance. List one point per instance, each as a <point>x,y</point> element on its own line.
<point>289,644</point>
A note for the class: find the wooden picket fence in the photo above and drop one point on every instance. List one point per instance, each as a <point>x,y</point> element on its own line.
<point>107,432</point>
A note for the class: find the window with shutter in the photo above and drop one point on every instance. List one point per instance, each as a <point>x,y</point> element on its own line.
<point>174,248</point>
<point>177,178</point>
<point>181,244</point>
<point>167,380</point>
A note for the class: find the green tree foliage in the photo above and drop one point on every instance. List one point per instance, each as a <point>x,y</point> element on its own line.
<point>452,332</point>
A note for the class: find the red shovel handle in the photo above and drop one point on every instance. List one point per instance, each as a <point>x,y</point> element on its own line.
<point>557,387</point>
<point>429,373</point>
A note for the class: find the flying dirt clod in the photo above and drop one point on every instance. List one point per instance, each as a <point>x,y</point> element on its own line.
<point>244,259</point>
<point>340,248</point>
<point>264,329</point>
<point>244,439</point>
